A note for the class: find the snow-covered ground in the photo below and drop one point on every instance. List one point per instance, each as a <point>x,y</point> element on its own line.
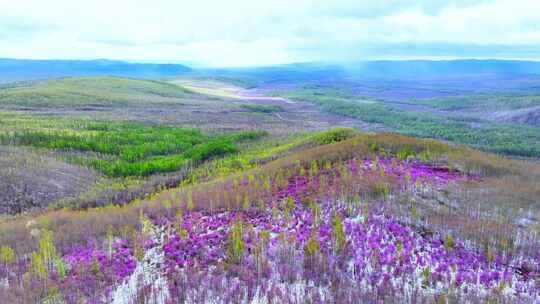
<point>147,275</point>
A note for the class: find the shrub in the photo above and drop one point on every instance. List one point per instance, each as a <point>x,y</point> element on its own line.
<point>7,255</point>
<point>262,108</point>
<point>334,135</point>
<point>236,242</point>
<point>338,234</point>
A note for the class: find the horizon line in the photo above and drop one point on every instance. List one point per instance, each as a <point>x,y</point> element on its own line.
<point>195,65</point>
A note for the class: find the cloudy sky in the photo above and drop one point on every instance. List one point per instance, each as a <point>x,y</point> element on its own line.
<point>257,32</point>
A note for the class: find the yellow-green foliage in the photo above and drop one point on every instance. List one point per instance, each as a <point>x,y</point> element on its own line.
<point>266,183</point>
<point>183,233</point>
<point>46,258</point>
<point>265,237</point>
<point>47,250</point>
<point>334,135</point>
<point>314,168</point>
<point>61,267</point>
<point>190,204</point>
<point>289,206</point>
<point>251,155</point>
<point>339,234</point>
<point>138,249</point>
<point>247,203</point>
<point>449,243</point>
<point>37,266</point>
<point>147,225</point>
<point>489,252</point>
<point>399,246</point>
<point>414,212</point>
<point>313,245</point>
<point>441,299</point>
<point>7,255</point>
<point>275,211</point>
<point>132,149</point>
<point>382,189</point>
<point>316,211</point>
<point>236,242</point>
<point>426,274</point>
<point>408,178</point>
<point>95,268</point>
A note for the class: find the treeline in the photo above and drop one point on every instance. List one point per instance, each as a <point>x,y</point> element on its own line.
<point>161,164</point>
<point>130,142</point>
<point>131,149</point>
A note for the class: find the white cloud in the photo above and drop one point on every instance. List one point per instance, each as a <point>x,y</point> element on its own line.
<point>249,32</point>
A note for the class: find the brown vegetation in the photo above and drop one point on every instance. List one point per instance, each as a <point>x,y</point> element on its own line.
<point>484,210</point>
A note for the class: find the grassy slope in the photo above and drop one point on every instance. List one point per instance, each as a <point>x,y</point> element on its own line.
<point>249,156</point>
<point>136,159</point>
<point>146,101</point>
<point>102,91</point>
<point>114,125</point>
<point>110,143</point>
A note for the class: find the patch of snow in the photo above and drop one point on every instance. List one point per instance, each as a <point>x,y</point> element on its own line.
<point>146,275</point>
<point>4,283</point>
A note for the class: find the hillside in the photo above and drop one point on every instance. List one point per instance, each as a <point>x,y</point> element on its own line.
<point>91,91</point>
<point>31,180</point>
<point>369,207</point>
<point>121,133</point>
<point>150,101</point>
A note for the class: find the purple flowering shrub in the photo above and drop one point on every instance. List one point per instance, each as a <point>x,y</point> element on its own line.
<point>325,232</point>
<point>115,266</point>
<point>331,249</point>
<point>93,270</point>
<point>86,274</point>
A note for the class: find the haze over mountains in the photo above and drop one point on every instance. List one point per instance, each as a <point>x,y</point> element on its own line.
<point>20,69</point>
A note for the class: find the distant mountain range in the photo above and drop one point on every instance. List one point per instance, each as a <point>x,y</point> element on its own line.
<point>22,69</point>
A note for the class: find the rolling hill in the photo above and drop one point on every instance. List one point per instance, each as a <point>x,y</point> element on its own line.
<point>90,91</point>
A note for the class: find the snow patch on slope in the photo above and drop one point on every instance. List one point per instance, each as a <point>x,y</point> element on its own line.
<point>147,275</point>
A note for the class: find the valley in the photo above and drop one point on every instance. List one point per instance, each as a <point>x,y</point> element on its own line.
<point>242,186</point>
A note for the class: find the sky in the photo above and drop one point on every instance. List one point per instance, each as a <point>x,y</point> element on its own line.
<point>228,33</point>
